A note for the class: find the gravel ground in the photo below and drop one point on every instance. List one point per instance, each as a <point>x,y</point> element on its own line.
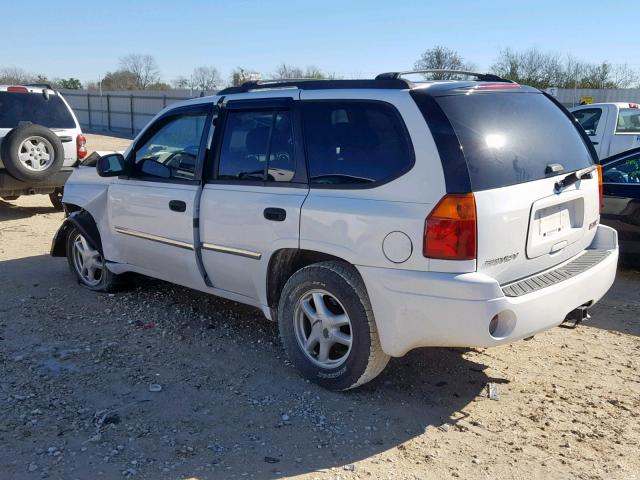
<point>161,382</point>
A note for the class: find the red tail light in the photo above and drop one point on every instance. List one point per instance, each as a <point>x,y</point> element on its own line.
<point>600,182</point>
<point>16,88</point>
<point>81,146</point>
<point>450,229</point>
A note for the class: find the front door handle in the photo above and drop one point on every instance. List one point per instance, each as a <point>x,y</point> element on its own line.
<point>177,205</point>
<point>275,214</point>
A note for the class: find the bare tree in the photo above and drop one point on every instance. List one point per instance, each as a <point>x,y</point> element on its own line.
<point>15,75</point>
<point>543,70</point>
<point>625,77</point>
<point>288,71</point>
<point>442,58</point>
<point>143,67</point>
<point>180,82</point>
<point>205,78</point>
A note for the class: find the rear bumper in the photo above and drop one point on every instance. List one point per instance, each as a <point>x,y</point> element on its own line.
<point>10,186</point>
<point>419,309</point>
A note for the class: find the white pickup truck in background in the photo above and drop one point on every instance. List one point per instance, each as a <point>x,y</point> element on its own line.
<point>612,127</point>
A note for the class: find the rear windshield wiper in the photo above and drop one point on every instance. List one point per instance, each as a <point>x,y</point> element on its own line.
<point>573,178</point>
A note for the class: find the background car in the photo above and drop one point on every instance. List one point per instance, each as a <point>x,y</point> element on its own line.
<point>621,201</point>
<point>40,140</point>
<point>612,127</point>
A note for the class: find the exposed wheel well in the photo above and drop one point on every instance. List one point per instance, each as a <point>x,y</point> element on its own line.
<point>83,221</point>
<point>284,263</point>
<point>70,207</point>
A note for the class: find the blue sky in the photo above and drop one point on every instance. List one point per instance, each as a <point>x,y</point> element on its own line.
<point>352,38</point>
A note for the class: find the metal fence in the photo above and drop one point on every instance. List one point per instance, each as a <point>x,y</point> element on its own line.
<point>120,112</point>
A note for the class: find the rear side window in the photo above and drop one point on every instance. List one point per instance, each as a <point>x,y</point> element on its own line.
<point>588,118</point>
<point>16,107</point>
<point>510,138</point>
<point>257,145</point>
<point>354,142</point>
<point>628,120</point>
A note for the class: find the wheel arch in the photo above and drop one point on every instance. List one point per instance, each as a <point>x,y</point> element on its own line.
<point>285,262</point>
<point>83,221</point>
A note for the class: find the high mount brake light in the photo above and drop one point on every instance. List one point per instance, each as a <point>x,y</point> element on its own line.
<point>634,105</point>
<point>450,230</point>
<point>497,86</point>
<point>18,89</point>
<point>81,146</point>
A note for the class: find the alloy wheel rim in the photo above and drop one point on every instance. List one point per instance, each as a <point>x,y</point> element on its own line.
<point>87,261</point>
<point>36,153</point>
<point>323,329</point>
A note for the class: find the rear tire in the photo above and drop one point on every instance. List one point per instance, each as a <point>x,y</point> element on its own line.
<point>327,326</point>
<point>56,199</point>
<point>88,264</point>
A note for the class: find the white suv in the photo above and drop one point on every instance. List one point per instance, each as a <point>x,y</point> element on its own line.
<point>367,217</point>
<point>40,141</point>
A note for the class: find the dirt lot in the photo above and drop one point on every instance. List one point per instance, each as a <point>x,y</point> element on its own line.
<point>76,402</point>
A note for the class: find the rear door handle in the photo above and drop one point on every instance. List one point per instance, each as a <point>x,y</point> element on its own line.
<point>275,214</point>
<point>177,205</point>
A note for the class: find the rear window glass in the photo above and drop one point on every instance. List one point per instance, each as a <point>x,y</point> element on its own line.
<point>510,138</point>
<point>354,142</point>
<point>628,120</point>
<point>16,107</point>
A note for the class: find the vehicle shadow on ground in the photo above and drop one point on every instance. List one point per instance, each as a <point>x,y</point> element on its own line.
<point>228,392</point>
<point>10,211</point>
<point>618,310</point>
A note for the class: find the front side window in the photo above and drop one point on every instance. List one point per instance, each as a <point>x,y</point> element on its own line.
<point>258,146</point>
<point>629,121</point>
<point>588,118</point>
<point>627,171</point>
<point>172,151</point>
<point>354,142</point>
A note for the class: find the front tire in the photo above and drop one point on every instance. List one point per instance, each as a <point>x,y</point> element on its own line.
<point>88,264</point>
<point>327,326</point>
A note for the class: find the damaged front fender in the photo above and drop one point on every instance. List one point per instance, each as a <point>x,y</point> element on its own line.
<point>84,222</point>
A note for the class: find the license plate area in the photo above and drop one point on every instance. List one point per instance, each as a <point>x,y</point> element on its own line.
<point>555,223</point>
<point>552,220</point>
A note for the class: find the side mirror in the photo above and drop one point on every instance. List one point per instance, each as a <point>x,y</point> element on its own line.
<point>111,165</point>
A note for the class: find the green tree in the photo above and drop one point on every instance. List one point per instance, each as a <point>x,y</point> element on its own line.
<point>69,83</point>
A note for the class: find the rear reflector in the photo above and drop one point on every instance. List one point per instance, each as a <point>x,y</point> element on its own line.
<point>450,229</point>
<point>81,146</point>
<point>16,88</point>
<point>600,182</point>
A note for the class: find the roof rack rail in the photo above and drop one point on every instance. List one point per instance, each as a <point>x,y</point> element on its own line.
<point>483,77</point>
<point>316,84</point>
